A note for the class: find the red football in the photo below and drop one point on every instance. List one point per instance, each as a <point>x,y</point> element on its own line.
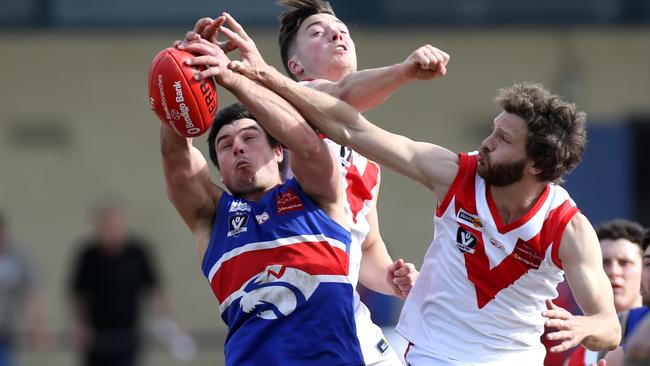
<point>186,105</point>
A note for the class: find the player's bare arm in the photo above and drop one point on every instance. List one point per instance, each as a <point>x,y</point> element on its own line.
<point>378,272</point>
<point>312,163</point>
<point>599,328</point>
<point>433,166</point>
<point>366,89</point>
<point>189,185</point>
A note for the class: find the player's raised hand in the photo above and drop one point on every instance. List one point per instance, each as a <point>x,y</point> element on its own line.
<point>212,57</point>
<point>401,276</point>
<point>563,326</point>
<point>251,62</point>
<point>426,62</point>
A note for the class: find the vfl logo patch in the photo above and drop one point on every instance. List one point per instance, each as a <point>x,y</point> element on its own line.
<point>237,224</point>
<point>239,206</point>
<point>288,201</point>
<point>468,219</point>
<point>465,241</point>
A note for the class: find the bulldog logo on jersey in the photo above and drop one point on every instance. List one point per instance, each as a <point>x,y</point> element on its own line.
<point>465,241</point>
<point>237,224</point>
<point>277,292</point>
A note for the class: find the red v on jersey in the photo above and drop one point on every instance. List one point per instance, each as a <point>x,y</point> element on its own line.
<point>360,186</point>
<point>526,256</point>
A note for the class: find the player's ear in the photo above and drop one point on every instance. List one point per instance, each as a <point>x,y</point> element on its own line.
<point>295,66</point>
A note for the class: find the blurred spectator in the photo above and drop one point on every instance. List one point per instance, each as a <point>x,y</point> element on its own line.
<point>621,245</point>
<point>112,276</point>
<point>19,293</point>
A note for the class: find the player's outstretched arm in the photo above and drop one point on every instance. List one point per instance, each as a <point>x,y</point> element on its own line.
<point>599,328</point>
<point>369,88</point>
<point>378,271</point>
<point>432,165</point>
<point>189,185</point>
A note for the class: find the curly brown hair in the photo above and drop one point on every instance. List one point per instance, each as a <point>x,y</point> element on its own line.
<point>556,129</point>
<point>291,21</point>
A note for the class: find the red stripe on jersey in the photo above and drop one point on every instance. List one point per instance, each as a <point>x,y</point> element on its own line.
<point>525,256</point>
<point>565,217</point>
<point>360,186</point>
<point>577,358</point>
<point>315,258</point>
<point>464,171</point>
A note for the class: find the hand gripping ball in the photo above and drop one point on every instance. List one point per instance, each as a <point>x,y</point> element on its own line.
<point>181,102</point>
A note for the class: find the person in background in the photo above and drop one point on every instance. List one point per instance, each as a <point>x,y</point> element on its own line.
<point>20,297</point>
<point>112,277</point>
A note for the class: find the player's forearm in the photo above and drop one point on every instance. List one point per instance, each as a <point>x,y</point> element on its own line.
<point>604,332</point>
<point>373,276</point>
<point>279,118</point>
<point>369,88</point>
<point>327,114</point>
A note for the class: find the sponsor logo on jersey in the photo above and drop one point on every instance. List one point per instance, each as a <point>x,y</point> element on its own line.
<point>527,254</point>
<point>465,241</point>
<point>496,244</point>
<point>262,218</point>
<point>239,206</point>
<point>277,292</point>
<point>466,218</point>
<point>237,224</point>
<point>288,201</point>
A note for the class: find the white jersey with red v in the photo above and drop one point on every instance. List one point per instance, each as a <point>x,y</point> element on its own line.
<point>483,283</point>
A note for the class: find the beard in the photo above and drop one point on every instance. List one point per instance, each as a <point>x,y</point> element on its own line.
<point>503,174</point>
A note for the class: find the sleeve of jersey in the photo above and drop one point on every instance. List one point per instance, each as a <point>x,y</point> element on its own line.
<point>569,212</point>
<point>463,168</point>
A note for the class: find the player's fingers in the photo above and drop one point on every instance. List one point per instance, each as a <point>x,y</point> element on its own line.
<point>559,336</point>
<point>236,27</point>
<point>202,60</point>
<point>201,24</point>
<point>395,266</point>
<point>227,46</point>
<point>568,344</point>
<point>234,38</point>
<point>192,36</point>
<point>558,324</point>
<point>177,43</point>
<point>207,73</point>
<point>558,313</point>
<point>441,70</point>
<point>211,32</point>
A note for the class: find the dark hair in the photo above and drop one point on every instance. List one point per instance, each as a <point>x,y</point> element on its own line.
<point>645,241</point>
<point>556,129</point>
<point>228,115</point>
<point>621,229</point>
<point>291,21</point>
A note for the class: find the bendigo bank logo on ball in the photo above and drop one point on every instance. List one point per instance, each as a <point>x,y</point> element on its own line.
<point>181,102</point>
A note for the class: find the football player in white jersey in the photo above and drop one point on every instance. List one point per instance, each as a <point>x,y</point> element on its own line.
<point>505,231</point>
<point>317,49</point>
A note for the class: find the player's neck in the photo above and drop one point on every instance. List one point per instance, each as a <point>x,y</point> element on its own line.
<point>516,200</point>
